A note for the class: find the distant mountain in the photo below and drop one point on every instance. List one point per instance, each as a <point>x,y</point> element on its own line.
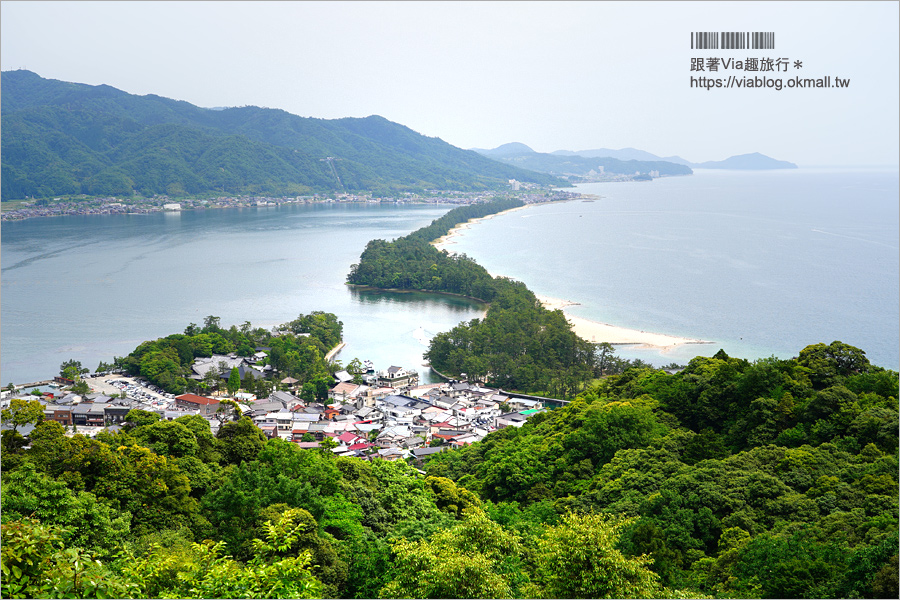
<point>575,166</point>
<point>754,161</point>
<point>511,149</point>
<point>623,154</point>
<point>62,138</point>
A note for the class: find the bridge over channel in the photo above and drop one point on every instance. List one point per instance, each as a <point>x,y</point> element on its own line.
<point>556,402</point>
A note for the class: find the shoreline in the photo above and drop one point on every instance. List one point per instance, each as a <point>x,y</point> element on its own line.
<point>447,238</point>
<point>592,331</point>
<point>597,333</point>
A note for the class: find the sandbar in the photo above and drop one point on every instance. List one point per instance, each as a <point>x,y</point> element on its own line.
<point>596,332</point>
<point>445,240</point>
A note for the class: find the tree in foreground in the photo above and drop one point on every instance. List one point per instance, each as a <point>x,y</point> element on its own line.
<point>578,559</point>
<point>475,559</point>
<point>22,412</point>
<point>38,564</point>
<point>202,571</point>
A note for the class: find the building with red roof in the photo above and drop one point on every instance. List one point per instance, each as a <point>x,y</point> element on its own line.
<point>206,406</point>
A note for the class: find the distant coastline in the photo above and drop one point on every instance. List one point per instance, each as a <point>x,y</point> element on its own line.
<point>18,210</point>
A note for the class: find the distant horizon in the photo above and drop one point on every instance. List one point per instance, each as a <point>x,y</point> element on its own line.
<point>479,74</point>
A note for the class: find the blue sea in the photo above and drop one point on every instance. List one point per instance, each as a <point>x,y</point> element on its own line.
<point>93,287</point>
<point>759,263</point>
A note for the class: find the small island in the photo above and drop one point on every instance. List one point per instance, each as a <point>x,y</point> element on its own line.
<point>747,162</point>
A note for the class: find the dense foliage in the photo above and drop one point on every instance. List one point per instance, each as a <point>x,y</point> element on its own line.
<point>518,344</point>
<point>731,478</point>
<point>295,349</point>
<point>412,263</point>
<point>63,138</point>
<point>773,478</point>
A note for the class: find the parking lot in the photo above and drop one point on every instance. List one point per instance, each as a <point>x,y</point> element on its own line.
<point>136,389</point>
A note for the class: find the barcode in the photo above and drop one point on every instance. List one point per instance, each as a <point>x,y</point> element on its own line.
<point>733,40</point>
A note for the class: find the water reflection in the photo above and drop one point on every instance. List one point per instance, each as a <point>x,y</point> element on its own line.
<point>415,299</point>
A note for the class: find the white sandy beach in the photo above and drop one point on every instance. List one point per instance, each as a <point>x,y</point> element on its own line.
<point>591,331</point>
<point>594,331</point>
<point>445,240</point>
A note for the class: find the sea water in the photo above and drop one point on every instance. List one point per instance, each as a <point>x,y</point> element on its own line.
<point>759,263</point>
<point>93,287</point>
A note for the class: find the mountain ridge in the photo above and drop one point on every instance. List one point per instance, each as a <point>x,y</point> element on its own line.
<point>751,161</point>
<point>62,138</point>
<point>578,168</point>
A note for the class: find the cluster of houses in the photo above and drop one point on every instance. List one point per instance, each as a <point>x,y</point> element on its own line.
<point>392,417</point>
<point>400,421</point>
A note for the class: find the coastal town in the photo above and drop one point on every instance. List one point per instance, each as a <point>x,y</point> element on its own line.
<point>114,205</point>
<point>390,415</point>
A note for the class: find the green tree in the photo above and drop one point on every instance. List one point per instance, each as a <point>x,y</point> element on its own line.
<point>72,369</point>
<point>36,563</point>
<point>210,380</point>
<point>451,498</point>
<point>475,559</point>
<point>22,412</point>
<point>81,387</point>
<point>228,410</point>
<point>240,441</point>
<point>578,559</point>
<point>203,571</point>
<point>605,358</point>
<point>87,521</point>
<point>168,438</point>
<point>211,324</point>
<point>137,417</point>
<point>828,363</point>
<point>234,381</point>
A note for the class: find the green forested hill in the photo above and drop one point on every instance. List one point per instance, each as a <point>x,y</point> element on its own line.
<point>63,138</point>
<point>731,479</point>
<point>764,479</point>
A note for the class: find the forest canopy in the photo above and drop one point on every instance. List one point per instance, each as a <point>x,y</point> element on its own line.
<point>61,138</point>
<point>518,344</point>
<point>731,478</point>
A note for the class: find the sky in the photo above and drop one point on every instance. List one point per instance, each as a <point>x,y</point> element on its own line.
<point>553,75</point>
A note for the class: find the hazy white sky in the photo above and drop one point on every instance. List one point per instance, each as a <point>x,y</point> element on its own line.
<point>553,75</point>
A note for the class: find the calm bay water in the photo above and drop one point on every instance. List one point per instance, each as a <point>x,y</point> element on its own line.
<point>761,263</point>
<point>94,287</point>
